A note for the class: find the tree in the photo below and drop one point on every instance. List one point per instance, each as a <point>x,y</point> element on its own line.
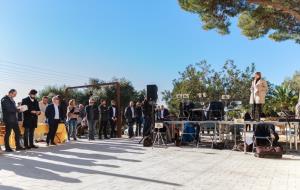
<point>280,19</point>
<point>283,98</point>
<point>294,82</point>
<point>201,78</point>
<point>128,92</point>
<point>51,91</point>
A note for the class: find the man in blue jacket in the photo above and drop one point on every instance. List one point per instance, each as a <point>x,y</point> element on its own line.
<point>10,119</point>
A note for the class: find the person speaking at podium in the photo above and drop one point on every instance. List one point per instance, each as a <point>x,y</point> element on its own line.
<point>259,89</point>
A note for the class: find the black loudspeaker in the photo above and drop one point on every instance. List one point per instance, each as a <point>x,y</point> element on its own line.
<point>152,92</point>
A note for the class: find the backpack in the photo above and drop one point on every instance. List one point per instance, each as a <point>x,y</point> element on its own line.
<point>188,128</point>
<point>147,141</point>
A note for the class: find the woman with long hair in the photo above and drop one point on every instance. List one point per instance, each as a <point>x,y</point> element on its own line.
<point>259,89</point>
<point>72,116</point>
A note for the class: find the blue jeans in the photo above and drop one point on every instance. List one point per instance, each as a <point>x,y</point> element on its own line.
<point>72,128</point>
<point>92,128</point>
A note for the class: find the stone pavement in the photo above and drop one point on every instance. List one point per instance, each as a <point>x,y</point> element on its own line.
<point>123,164</point>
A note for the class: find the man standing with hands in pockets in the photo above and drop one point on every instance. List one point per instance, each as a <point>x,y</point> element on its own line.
<point>54,117</point>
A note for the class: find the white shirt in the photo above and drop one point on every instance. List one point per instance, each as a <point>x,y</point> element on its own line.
<point>56,112</point>
<point>114,111</point>
<point>162,114</point>
<point>132,111</point>
<point>32,100</point>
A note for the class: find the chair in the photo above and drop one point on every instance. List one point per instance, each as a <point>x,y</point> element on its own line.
<point>207,127</point>
<point>235,106</point>
<point>292,130</point>
<point>292,134</point>
<point>262,135</point>
<point>215,111</point>
<point>188,133</point>
<point>198,115</point>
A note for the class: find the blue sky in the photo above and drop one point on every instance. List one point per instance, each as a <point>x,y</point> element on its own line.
<point>143,41</point>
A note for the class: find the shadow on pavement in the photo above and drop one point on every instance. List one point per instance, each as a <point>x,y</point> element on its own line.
<point>78,157</point>
<point>2,187</point>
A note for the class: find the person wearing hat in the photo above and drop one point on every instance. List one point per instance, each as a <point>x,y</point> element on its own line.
<point>30,118</point>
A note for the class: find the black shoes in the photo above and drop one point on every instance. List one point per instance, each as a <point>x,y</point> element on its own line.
<point>30,147</point>
<point>33,146</point>
<point>8,150</point>
<point>54,144</point>
<point>20,148</point>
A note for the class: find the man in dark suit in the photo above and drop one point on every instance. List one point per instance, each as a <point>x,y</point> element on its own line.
<point>9,111</point>
<point>54,117</point>
<point>163,116</point>
<point>148,112</point>
<point>30,118</point>
<point>92,116</point>
<point>163,113</point>
<point>130,118</point>
<point>139,118</point>
<point>63,108</point>
<point>113,116</point>
<point>104,118</point>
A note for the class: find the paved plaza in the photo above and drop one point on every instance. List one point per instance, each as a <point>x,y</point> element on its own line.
<point>124,164</point>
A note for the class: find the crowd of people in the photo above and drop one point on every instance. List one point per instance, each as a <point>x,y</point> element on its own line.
<point>102,117</point>
<point>29,112</point>
<point>98,118</point>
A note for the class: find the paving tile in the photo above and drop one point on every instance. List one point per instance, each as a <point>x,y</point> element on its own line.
<point>124,164</point>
